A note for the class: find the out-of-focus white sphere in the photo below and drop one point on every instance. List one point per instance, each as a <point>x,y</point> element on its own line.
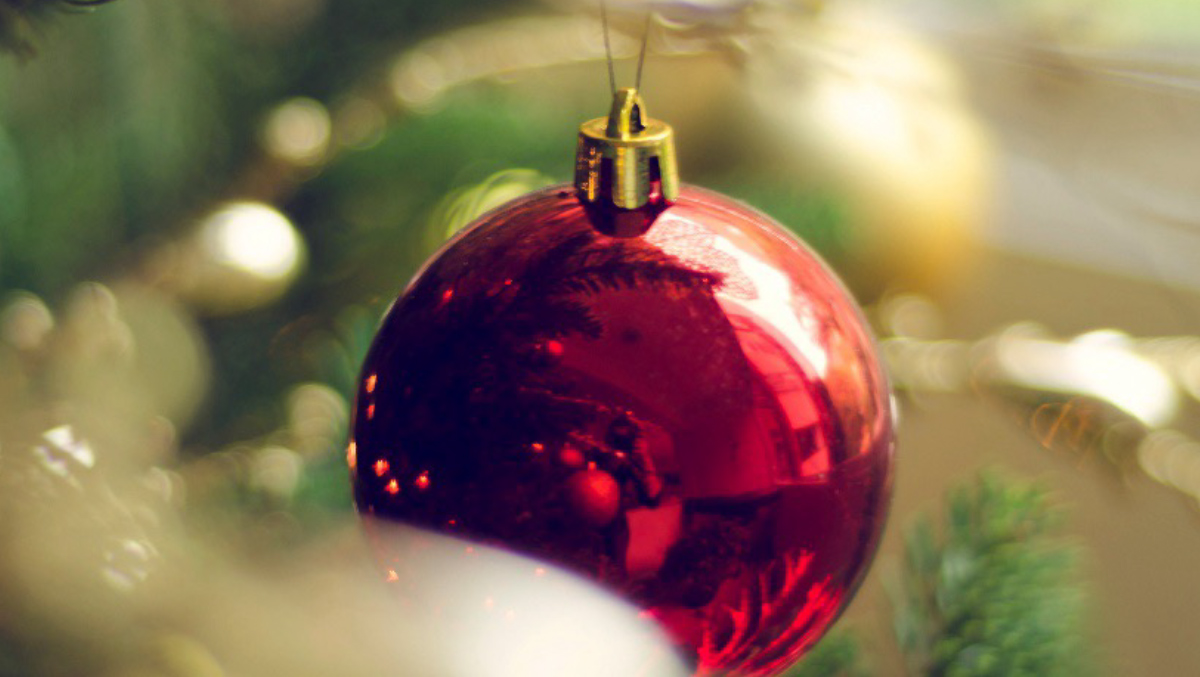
<point>497,614</point>
<point>241,256</point>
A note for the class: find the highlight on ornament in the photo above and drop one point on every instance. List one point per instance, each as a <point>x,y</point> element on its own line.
<point>641,382</point>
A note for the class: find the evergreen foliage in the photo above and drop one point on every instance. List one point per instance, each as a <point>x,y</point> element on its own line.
<point>17,32</point>
<point>996,594</point>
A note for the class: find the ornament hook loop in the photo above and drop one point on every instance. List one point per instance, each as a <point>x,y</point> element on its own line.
<point>625,120</point>
<point>625,168</point>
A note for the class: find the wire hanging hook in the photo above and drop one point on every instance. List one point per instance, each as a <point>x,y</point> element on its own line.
<point>642,55</point>
<point>612,73</point>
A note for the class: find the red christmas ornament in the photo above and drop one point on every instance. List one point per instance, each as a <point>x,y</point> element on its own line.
<point>680,402</point>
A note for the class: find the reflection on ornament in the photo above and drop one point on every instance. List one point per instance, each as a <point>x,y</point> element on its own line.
<point>694,418</point>
<point>242,256</point>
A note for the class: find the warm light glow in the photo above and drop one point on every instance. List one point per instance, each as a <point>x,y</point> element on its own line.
<point>417,80</point>
<point>571,457</point>
<point>1173,459</point>
<point>370,385</point>
<point>298,131</point>
<point>254,238</point>
<point>878,117</point>
<point>393,487</point>
<point>381,467</point>
<point>422,481</point>
<point>1093,366</point>
<point>352,455</point>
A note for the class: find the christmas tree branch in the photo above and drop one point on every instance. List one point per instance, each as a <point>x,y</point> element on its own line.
<point>996,593</point>
<point>17,19</point>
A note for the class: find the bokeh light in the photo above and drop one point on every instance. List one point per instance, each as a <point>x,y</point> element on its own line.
<point>298,131</point>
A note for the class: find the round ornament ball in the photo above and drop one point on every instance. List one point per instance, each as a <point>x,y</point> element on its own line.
<point>691,414</point>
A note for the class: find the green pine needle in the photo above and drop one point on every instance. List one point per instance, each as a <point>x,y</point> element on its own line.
<point>996,594</point>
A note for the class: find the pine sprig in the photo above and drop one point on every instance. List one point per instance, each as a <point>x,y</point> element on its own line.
<point>997,594</point>
<point>17,17</point>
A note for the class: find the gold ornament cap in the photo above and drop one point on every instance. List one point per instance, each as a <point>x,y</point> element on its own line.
<point>625,169</point>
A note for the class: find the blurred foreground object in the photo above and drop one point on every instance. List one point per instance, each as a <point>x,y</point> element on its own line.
<point>112,357</point>
<point>504,615</point>
<point>111,562</point>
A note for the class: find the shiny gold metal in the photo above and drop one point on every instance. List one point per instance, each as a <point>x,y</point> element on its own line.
<point>620,158</point>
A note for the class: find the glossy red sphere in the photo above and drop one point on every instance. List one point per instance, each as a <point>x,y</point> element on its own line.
<point>695,418</point>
